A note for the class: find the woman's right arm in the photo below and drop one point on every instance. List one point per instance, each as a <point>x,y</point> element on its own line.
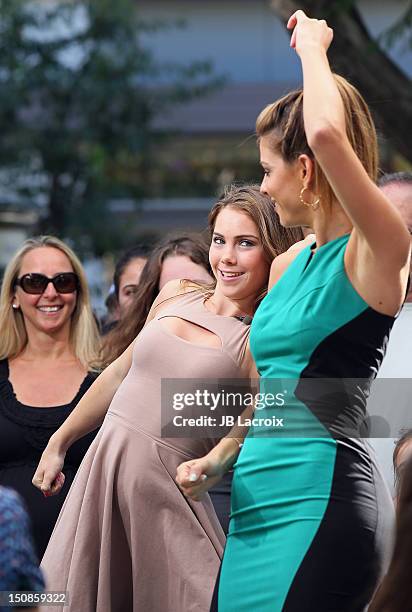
<point>92,408</point>
<point>87,416</point>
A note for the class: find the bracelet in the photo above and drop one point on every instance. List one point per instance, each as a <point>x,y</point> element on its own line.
<point>239,441</point>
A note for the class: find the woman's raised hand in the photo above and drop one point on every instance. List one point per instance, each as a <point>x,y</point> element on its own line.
<point>308,32</point>
<point>49,477</point>
<point>197,476</point>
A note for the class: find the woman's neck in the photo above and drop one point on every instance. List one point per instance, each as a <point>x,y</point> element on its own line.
<point>225,307</point>
<point>331,225</point>
<point>48,347</point>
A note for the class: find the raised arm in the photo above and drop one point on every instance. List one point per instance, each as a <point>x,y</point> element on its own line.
<point>381,242</point>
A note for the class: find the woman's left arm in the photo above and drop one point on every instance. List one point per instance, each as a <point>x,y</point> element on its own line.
<point>381,231</point>
<point>197,476</point>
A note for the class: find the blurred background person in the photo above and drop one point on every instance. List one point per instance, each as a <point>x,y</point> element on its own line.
<point>126,278</point>
<point>397,362</point>
<point>19,569</point>
<point>401,455</point>
<point>111,316</point>
<point>184,256</point>
<point>395,592</point>
<point>127,275</point>
<point>48,343</point>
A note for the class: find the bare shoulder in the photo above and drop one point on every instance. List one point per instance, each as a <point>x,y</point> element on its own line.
<point>279,265</point>
<point>302,244</point>
<point>171,290</point>
<point>283,261</point>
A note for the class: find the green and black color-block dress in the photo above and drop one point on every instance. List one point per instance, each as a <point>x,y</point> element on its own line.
<point>311,519</point>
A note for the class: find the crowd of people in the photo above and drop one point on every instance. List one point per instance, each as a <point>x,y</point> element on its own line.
<point>302,279</point>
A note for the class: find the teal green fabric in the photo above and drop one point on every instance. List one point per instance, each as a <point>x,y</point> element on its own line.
<point>283,478</point>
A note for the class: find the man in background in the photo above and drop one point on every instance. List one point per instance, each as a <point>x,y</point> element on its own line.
<point>397,363</point>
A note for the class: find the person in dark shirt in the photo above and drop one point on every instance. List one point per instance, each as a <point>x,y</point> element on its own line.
<point>48,342</point>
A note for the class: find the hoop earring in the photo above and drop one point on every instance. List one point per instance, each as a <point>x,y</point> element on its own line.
<point>314,205</point>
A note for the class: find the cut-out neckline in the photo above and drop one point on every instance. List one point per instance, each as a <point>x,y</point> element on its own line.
<point>170,333</point>
<point>314,249</point>
<point>309,259</point>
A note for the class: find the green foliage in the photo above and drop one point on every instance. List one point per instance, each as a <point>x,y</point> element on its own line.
<point>79,93</point>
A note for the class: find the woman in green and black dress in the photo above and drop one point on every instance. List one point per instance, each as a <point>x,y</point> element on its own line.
<point>311,518</point>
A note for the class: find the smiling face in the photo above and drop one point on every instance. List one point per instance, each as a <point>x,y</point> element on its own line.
<point>237,257</point>
<point>283,182</point>
<point>50,311</point>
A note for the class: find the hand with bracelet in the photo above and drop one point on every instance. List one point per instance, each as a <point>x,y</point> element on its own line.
<point>197,476</point>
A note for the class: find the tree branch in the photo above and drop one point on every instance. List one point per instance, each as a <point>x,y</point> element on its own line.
<point>355,55</point>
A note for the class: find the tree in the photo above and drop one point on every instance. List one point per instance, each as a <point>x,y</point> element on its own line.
<point>356,55</point>
<point>78,94</point>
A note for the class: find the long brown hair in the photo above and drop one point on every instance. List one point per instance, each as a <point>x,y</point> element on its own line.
<point>129,326</point>
<point>395,592</point>
<point>283,122</point>
<point>275,240</point>
<point>398,470</point>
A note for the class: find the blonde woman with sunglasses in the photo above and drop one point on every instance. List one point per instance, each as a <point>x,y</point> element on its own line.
<point>48,341</point>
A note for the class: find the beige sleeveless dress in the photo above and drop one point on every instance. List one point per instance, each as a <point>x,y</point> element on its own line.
<point>127,540</point>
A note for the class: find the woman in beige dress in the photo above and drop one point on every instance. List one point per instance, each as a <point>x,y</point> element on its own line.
<point>127,539</point>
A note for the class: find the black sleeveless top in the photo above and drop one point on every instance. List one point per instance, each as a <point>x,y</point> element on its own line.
<point>24,434</point>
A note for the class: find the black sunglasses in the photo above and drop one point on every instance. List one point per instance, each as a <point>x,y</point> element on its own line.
<point>65,282</point>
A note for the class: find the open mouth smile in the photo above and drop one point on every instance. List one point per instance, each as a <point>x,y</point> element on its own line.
<point>230,276</point>
<point>49,309</point>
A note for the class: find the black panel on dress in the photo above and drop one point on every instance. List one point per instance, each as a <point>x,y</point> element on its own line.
<point>336,382</point>
<point>343,551</point>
